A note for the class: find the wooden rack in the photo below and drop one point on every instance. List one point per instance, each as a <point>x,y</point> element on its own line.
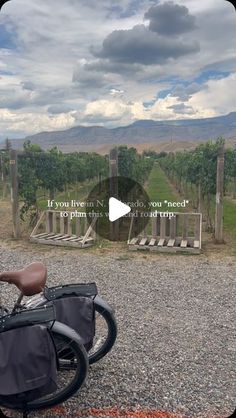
<point>180,233</point>
<point>52,229</point>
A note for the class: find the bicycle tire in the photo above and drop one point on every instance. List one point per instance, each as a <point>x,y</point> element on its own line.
<point>109,317</point>
<point>80,360</point>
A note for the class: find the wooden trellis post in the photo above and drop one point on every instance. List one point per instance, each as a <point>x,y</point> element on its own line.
<point>219,197</point>
<point>113,173</point>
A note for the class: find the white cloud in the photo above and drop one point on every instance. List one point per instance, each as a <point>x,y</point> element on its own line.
<point>31,123</point>
<point>54,40</point>
<point>219,95</point>
<point>119,113</point>
<point>106,109</point>
<point>116,92</point>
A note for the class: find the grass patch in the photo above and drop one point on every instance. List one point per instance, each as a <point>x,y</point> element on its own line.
<point>124,257</point>
<point>229,214</point>
<point>230,218</point>
<point>158,187</point>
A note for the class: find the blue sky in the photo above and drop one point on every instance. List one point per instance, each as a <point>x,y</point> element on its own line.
<point>70,62</point>
<point>7,37</point>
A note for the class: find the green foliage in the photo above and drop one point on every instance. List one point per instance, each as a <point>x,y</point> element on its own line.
<point>199,169</point>
<point>4,162</point>
<point>8,146</point>
<point>151,153</point>
<point>133,165</point>
<point>53,171</point>
<point>31,148</point>
<point>230,164</point>
<point>196,167</point>
<point>28,185</point>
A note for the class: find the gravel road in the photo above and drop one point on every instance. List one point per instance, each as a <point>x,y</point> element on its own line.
<point>176,347</point>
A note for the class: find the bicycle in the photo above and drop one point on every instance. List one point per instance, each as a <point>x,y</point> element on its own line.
<point>72,372</point>
<point>106,326</point>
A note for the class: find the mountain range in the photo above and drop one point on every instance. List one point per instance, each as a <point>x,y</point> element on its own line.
<point>182,133</point>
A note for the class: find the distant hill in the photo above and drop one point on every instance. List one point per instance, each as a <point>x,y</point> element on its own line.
<point>82,138</point>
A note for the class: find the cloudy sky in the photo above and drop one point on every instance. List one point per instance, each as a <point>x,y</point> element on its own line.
<point>70,62</point>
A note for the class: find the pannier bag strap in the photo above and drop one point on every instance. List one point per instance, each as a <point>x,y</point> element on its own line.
<point>78,289</point>
<point>28,317</point>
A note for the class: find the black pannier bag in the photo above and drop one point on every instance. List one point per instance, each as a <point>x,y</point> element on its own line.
<point>77,312</point>
<point>74,306</point>
<point>28,365</point>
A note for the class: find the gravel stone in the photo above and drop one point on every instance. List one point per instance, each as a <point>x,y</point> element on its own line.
<point>176,315</point>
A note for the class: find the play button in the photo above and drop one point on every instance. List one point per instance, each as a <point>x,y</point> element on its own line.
<point>121,207</point>
<point>117,209</point>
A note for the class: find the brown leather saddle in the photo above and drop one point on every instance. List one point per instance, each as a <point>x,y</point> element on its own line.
<point>30,280</point>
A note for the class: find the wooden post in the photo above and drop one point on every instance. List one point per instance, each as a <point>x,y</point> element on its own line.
<point>48,226</point>
<point>49,221</point>
<point>198,231</point>
<point>154,226</point>
<point>62,225</point>
<point>163,228</point>
<point>14,194</point>
<point>1,166</point>
<point>2,174</point>
<point>219,197</point>
<point>3,177</point>
<point>172,223</point>
<point>99,182</point>
<point>54,222</point>
<point>199,204</point>
<point>77,227</point>
<point>113,173</point>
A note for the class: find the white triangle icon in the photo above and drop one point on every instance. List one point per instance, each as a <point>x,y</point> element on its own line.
<point>117,209</point>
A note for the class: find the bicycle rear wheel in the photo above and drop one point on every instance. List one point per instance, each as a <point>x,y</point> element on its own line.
<point>71,373</point>
<point>106,332</point>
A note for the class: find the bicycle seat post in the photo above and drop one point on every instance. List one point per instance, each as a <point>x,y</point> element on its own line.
<point>18,302</point>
